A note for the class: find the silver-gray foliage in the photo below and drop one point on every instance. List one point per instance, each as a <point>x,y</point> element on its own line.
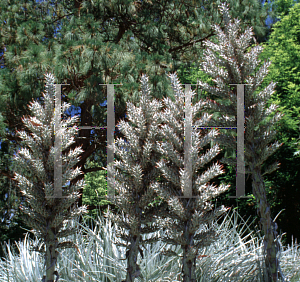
<point>143,160</point>
<point>134,173</point>
<point>187,215</point>
<point>34,173</point>
<point>228,62</point>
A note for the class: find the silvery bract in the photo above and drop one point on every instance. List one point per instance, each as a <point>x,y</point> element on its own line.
<point>34,173</point>
<point>134,173</point>
<point>187,215</point>
<point>233,65</point>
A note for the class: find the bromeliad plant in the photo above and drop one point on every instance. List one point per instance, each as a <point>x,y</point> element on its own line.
<point>187,215</point>
<point>34,173</point>
<point>228,63</point>
<point>134,174</point>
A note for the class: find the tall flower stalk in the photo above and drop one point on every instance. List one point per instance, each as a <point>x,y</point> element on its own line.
<point>34,173</point>
<point>228,62</point>
<point>187,215</point>
<point>135,171</point>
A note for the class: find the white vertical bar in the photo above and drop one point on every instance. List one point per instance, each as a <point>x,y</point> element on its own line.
<point>240,177</point>
<point>188,192</point>
<point>110,135</point>
<point>57,144</point>
<point>240,171</point>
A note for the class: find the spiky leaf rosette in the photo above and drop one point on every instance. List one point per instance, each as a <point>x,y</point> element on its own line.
<point>34,168</point>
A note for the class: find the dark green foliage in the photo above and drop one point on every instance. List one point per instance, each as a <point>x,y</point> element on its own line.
<point>94,193</point>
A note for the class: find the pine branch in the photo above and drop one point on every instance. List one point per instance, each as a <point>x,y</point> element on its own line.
<point>192,42</point>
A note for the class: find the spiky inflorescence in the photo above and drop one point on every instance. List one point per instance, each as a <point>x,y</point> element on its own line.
<point>34,173</point>
<point>134,173</point>
<point>187,215</point>
<point>234,66</point>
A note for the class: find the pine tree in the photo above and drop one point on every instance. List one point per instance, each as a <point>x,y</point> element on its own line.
<point>233,65</point>
<point>34,171</point>
<point>134,173</point>
<point>187,215</point>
